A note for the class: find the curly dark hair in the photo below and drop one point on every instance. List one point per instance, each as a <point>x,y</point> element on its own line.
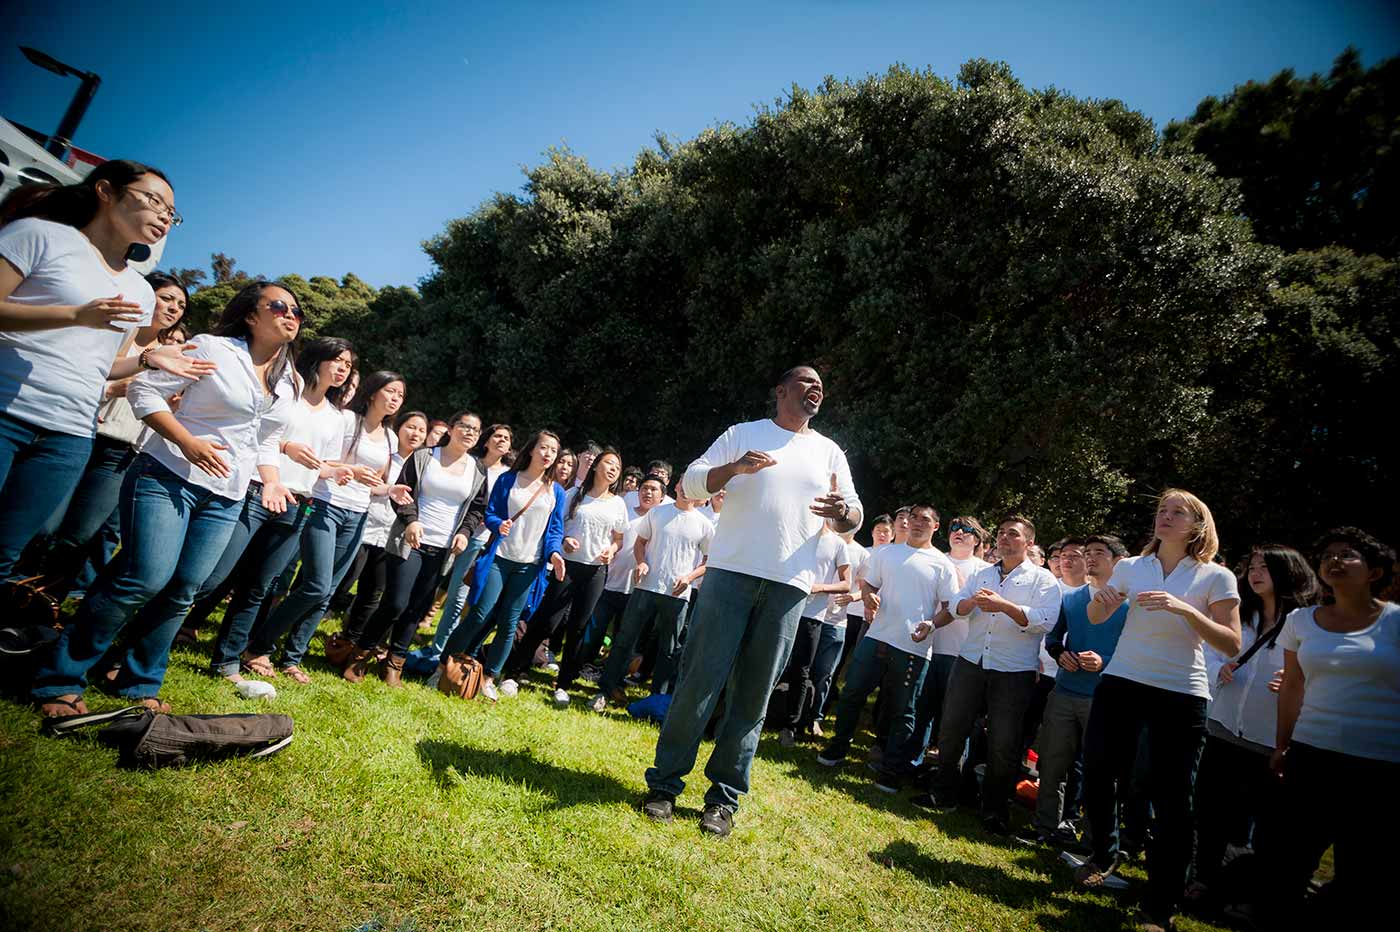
<point>1377,555</point>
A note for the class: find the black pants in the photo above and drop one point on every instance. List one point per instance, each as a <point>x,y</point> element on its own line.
<point>374,577</point>
<point>798,673</point>
<point>1338,800</point>
<point>1233,787</point>
<point>563,615</point>
<point>407,581</point>
<point>1175,726</point>
<point>607,616</point>
<point>973,690</point>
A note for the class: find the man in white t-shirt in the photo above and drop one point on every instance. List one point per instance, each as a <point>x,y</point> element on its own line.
<point>783,480</point>
<point>668,554</point>
<point>659,468</point>
<point>1009,606</point>
<point>713,507</point>
<point>905,586</point>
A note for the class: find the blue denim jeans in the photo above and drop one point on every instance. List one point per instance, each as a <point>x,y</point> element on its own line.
<point>39,469</point>
<point>643,608</point>
<point>330,539</point>
<point>738,643</point>
<point>830,642</point>
<point>899,675</point>
<point>83,537</point>
<point>455,603</point>
<point>929,709</point>
<point>173,534</point>
<point>266,554</point>
<point>499,604</point>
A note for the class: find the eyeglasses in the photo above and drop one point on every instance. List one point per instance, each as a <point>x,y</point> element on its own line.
<point>1341,556</point>
<point>280,308</point>
<point>157,203</point>
<point>468,428</point>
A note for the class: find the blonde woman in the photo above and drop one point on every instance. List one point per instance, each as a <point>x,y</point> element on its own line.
<point>1178,601</point>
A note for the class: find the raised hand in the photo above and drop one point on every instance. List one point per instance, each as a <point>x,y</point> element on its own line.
<point>751,462</point>
<point>830,505</point>
<point>173,359</point>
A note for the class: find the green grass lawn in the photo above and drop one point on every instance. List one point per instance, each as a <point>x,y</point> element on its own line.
<point>403,809</point>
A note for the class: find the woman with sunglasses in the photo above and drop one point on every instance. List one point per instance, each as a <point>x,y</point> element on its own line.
<point>443,505</point>
<point>525,516</point>
<point>87,532</point>
<point>263,542</point>
<point>183,495</point>
<point>68,303</point>
<point>330,540</point>
<point>1337,747</point>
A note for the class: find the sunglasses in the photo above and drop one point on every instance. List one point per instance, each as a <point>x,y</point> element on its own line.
<point>959,526</point>
<point>280,308</point>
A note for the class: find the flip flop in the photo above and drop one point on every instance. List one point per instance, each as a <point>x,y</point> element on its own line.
<point>297,674</point>
<point>60,725</point>
<point>76,704</point>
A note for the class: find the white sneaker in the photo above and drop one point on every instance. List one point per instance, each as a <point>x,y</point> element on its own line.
<point>488,691</point>
<point>509,688</point>
<point>786,738</point>
<point>551,667</point>
<point>598,703</point>
<point>561,699</point>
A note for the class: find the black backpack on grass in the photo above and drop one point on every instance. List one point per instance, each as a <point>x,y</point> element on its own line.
<point>151,739</point>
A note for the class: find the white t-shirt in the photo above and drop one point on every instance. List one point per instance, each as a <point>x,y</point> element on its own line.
<point>913,585</point>
<point>321,430</point>
<point>1351,685</point>
<point>380,518</point>
<point>949,639</point>
<point>492,474</point>
<point>527,533</point>
<point>831,556</point>
<point>767,528</point>
<point>622,565</point>
<point>1245,705</point>
<point>709,512</point>
<point>441,496</point>
<point>354,495</point>
<point>593,524</point>
<point>55,379</point>
<point>966,567</point>
<point>676,542</point>
<point>1158,648</point>
<point>630,499</point>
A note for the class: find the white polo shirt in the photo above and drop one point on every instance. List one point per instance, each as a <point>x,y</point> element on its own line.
<point>993,639</point>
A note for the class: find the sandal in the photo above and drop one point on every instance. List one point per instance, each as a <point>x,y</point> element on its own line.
<point>297,674</point>
<point>155,704</point>
<point>63,706</point>
<point>258,666</point>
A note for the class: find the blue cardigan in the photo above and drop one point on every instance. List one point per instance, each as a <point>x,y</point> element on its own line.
<point>497,511</point>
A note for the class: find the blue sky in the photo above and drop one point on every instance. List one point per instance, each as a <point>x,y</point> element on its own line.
<point>325,138</point>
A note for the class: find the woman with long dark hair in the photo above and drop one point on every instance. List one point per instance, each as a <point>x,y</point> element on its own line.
<point>68,302</point>
<point>263,543</point>
<point>331,538</point>
<point>1178,601</point>
<point>445,502</point>
<point>526,518</point>
<point>183,495</point>
<point>595,520</point>
<point>1234,785</point>
<point>87,531</point>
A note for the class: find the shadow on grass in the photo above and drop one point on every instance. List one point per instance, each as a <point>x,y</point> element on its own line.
<point>994,883</point>
<point>451,762</point>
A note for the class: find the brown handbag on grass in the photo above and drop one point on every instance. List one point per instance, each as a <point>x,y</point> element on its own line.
<point>461,676</point>
<point>27,602</point>
<point>338,649</point>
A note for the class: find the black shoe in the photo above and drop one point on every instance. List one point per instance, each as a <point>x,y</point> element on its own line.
<point>995,825</point>
<point>930,801</point>
<point>887,782</point>
<point>659,806</point>
<point>717,820</point>
<point>1033,837</point>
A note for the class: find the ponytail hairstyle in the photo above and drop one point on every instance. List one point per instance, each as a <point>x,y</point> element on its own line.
<point>322,349</point>
<point>73,204</point>
<point>233,322</point>
<point>586,485</point>
<point>446,437</point>
<point>360,405</point>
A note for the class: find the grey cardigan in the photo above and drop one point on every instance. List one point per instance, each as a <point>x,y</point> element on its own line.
<point>469,518</point>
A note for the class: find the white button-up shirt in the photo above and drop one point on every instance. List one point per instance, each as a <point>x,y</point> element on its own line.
<point>993,639</point>
<point>228,406</point>
<point>1245,705</point>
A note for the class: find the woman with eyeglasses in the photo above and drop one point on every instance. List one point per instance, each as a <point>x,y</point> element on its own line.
<point>443,504</point>
<point>87,531</point>
<point>1234,784</point>
<point>264,542</point>
<point>69,302</point>
<point>525,516</point>
<point>1337,747</point>
<point>340,501</point>
<point>183,495</point>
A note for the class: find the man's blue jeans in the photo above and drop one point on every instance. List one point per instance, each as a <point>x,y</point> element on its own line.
<point>273,545</point>
<point>738,643</point>
<point>330,539</point>
<point>500,602</point>
<point>455,603</point>
<point>928,711</point>
<point>899,675</point>
<point>644,607</point>
<point>39,469</point>
<point>173,533</point>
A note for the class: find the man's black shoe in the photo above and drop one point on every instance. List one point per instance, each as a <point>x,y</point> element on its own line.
<point>659,806</point>
<point>995,825</point>
<point>930,801</point>
<point>1033,837</point>
<point>717,820</point>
